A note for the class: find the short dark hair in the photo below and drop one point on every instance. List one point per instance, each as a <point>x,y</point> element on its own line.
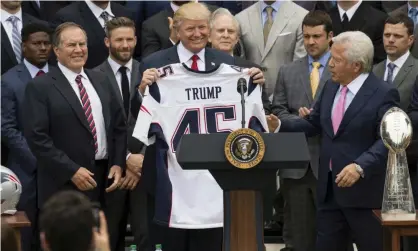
<point>67,222</point>
<point>56,37</point>
<point>31,28</point>
<point>401,18</point>
<point>316,18</point>
<point>118,23</point>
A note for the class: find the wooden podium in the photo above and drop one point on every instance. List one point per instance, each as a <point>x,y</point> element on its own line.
<point>17,221</point>
<point>393,230</point>
<point>244,189</point>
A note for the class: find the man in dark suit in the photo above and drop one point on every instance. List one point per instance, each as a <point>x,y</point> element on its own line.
<point>353,157</point>
<point>155,33</point>
<point>123,73</point>
<point>413,110</point>
<point>408,9</point>
<point>36,48</point>
<point>358,15</point>
<point>43,10</point>
<point>74,124</point>
<point>92,15</point>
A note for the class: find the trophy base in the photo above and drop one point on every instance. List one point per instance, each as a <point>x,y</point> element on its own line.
<point>398,215</point>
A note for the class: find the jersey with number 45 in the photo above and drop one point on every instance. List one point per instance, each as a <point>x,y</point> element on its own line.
<point>183,101</point>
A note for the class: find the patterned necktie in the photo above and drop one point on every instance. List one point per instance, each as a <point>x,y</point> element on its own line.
<point>105,17</point>
<point>338,113</point>
<point>414,15</point>
<point>17,40</point>
<point>87,109</point>
<point>40,72</point>
<point>391,68</point>
<point>194,62</point>
<point>315,77</point>
<point>268,23</point>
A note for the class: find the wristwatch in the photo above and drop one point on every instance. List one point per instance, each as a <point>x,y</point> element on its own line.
<point>359,170</point>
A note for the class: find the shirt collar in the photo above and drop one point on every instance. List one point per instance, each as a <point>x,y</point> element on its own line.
<point>116,66</point>
<point>69,74</point>
<point>174,7</point>
<point>400,61</point>
<point>185,55</point>
<point>5,15</point>
<point>356,84</point>
<point>350,12</point>
<point>33,70</point>
<point>275,5</point>
<point>97,11</point>
<point>323,60</point>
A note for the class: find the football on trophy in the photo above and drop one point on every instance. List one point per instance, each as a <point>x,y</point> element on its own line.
<point>396,129</point>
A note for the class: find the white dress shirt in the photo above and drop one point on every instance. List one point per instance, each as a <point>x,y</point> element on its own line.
<point>33,70</point>
<point>398,63</point>
<point>96,107</point>
<point>115,68</point>
<point>97,11</point>
<point>350,12</point>
<point>174,7</point>
<point>185,56</point>
<point>8,26</point>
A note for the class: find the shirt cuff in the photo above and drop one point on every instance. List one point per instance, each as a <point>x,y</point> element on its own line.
<point>278,127</point>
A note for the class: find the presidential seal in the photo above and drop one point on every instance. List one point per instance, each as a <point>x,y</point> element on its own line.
<point>244,148</point>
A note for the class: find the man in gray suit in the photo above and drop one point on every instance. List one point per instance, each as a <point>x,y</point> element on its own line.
<point>123,73</point>
<point>271,33</point>
<point>410,9</point>
<point>401,69</point>
<point>298,87</point>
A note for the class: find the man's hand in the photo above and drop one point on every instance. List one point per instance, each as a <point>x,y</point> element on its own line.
<point>116,173</point>
<point>130,180</point>
<point>257,75</point>
<point>272,122</point>
<point>304,112</point>
<point>348,176</point>
<point>101,236</point>
<point>83,179</point>
<point>148,77</point>
<point>134,163</point>
<point>173,33</point>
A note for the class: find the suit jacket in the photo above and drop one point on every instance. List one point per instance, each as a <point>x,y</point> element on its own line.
<point>293,91</point>
<point>81,14</point>
<point>404,9</point>
<point>20,160</point>
<point>356,141</point>
<point>155,33</point>
<point>8,57</point>
<point>51,108</point>
<point>284,44</point>
<point>156,60</point>
<point>413,107</point>
<point>46,10</point>
<point>368,20</point>
<point>134,145</point>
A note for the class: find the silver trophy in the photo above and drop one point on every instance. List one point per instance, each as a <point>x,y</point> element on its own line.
<point>396,132</point>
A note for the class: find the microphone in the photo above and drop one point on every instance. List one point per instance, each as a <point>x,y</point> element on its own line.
<point>242,88</point>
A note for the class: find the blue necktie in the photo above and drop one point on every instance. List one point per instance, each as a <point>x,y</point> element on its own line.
<point>391,67</point>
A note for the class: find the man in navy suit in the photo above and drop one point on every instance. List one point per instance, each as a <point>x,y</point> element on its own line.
<point>353,157</point>
<point>36,48</point>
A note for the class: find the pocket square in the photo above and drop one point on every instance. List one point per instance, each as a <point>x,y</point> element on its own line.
<point>284,34</point>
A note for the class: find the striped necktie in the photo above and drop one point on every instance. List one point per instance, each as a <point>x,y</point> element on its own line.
<point>17,40</point>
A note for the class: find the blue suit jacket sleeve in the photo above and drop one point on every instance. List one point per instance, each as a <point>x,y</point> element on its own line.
<point>374,156</point>
<point>11,135</point>
<point>413,108</point>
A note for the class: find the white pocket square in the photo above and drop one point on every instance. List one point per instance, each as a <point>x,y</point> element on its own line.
<point>284,34</point>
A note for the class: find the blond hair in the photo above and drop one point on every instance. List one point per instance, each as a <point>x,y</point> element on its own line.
<point>191,11</point>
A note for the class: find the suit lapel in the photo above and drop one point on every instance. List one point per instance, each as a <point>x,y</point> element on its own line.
<point>359,101</point>
<point>5,43</point>
<point>210,60</point>
<point>404,71</point>
<point>326,75</point>
<point>23,73</point>
<point>305,78</point>
<point>380,70</point>
<point>357,21</point>
<point>98,86</point>
<point>172,55</point>
<point>107,70</point>
<point>328,101</point>
<point>280,22</point>
<point>134,78</point>
<point>88,17</point>
<point>63,86</point>
<point>256,27</point>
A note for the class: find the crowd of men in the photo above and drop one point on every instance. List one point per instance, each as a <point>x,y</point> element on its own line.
<point>74,75</point>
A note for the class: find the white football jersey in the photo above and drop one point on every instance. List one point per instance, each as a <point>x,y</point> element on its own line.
<point>181,102</point>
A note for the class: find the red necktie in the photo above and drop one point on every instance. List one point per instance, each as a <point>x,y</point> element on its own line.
<point>40,72</point>
<point>87,109</point>
<point>194,62</point>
